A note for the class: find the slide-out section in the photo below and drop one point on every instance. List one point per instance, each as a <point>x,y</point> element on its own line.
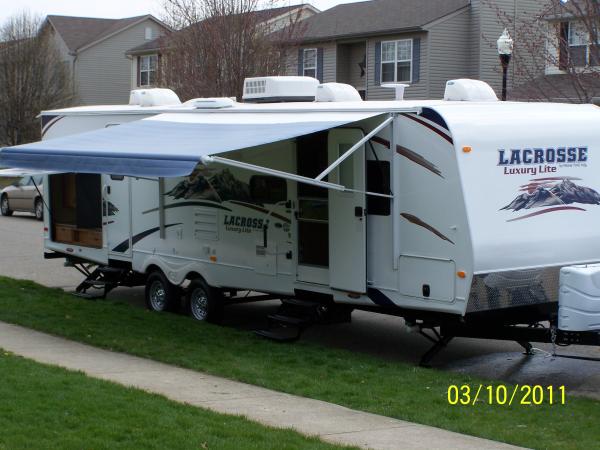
<point>76,205</point>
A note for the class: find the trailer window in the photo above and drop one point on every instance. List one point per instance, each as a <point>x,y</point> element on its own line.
<point>378,181</point>
<point>268,189</point>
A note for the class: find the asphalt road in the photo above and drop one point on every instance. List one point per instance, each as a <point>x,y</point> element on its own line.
<point>21,256</point>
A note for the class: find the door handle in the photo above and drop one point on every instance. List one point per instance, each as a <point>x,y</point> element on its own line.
<point>358,211</point>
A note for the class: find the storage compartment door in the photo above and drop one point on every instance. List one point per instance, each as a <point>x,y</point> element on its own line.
<point>347,218</point>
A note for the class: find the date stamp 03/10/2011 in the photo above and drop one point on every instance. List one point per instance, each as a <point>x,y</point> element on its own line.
<point>502,395</point>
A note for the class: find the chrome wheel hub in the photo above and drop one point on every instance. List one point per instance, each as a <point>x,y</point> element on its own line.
<point>158,296</point>
<point>199,304</point>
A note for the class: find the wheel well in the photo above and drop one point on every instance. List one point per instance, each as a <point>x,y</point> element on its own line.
<point>153,268</point>
<point>193,275</point>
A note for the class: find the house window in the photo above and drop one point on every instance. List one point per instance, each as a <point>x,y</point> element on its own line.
<point>396,61</point>
<point>581,50</point>
<point>148,33</point>
<point>309,68</point>
<point>147,70</point>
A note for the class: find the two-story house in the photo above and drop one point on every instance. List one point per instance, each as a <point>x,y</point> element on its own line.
<point>422,43</point>
<point>145,58</point>
<point>94,50</point>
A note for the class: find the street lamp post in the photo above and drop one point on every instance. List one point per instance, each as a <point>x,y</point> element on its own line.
<point>505,49</point>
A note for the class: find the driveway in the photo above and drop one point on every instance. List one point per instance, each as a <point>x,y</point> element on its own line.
<point>21,256</point>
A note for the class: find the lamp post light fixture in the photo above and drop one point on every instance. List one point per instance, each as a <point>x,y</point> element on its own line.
<point>505,49</point>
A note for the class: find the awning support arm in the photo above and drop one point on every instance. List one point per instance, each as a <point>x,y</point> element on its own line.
<point>355,147</point>
<point>274,172</point>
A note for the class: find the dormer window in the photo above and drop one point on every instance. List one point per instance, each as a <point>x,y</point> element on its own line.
<point>148,34</point>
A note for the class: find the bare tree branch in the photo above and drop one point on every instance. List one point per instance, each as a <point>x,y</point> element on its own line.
<point>542,47</point>
<point>219,43</point>
<point>32,78</point>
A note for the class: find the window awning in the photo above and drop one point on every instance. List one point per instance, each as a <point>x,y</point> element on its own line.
<point>168,145</point>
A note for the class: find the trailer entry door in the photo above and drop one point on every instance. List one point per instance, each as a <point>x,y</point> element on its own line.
<point>347,218</point>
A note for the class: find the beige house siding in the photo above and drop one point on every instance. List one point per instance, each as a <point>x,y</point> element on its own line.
<point>418,90</point>
<point>449,55</point>
<point>489,29</point>
<point>103,72</point>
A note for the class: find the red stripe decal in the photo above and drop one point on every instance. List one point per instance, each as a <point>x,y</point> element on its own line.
<point>431,127</point>
<point>549,210</point>
<point>382,141</point>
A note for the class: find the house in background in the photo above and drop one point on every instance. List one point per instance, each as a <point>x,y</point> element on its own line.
<point>422,43</point>
<point>145,58</point>
<point>572,63</point>
<point>94,50</point>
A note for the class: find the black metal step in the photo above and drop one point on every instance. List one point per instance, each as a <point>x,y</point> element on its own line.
<point>289,320</point>
<point>302,303</point>
<point>282,334</point>
<point>109,269</point>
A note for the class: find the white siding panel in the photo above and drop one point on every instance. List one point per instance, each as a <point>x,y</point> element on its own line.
<point>103,71</point>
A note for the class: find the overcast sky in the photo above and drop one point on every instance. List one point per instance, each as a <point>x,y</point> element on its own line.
<point>113,8</point>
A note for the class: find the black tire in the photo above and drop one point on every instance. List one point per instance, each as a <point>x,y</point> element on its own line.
<point>5,207</point>
<point>203,302</point>
<point>38,209</point>
<point>161,294</point>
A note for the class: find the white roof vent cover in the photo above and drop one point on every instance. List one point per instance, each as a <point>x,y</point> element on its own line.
<point>337,92</point>
<point>280,89</point>
<point>465,90</point>
<point>153,97</point>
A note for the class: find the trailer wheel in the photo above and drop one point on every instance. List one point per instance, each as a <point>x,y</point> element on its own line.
<point>161,295</point>
<point>203,302</point>
<point>39,209</point>
<point>4,206</point>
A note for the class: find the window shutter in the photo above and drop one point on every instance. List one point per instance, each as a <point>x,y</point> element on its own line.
<point>377,71</point>
<point>300,61</point>
<point>138,71</point>
<point>416,63</point>
<point>320,65</point>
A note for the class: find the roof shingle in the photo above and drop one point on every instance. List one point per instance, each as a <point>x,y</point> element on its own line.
<point>78,32</point>
<point>376,17</point>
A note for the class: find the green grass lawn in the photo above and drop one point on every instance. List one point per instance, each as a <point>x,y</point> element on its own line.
<point>357,381</point>
<point>44,407</point>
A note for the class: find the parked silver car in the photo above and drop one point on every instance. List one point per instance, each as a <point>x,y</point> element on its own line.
<point>23,196</point>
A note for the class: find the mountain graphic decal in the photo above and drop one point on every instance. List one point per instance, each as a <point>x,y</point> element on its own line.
<point>554,193</point>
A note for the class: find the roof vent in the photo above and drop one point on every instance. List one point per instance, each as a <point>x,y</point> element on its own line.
<point>210,103</point>
<point>153,97</point>
<point>465,90</point>
<point>280,89</point>
<point>337,92</point>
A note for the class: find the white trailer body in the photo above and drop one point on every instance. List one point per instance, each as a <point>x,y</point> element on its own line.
<point>449,209</point>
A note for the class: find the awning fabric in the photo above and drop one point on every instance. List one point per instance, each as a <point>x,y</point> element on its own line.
<point>20,173</point>
<point>168,145</point>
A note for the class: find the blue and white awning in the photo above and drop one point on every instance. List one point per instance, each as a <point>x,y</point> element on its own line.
<point>168,145</point>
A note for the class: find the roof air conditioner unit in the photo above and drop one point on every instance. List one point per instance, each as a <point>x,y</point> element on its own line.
<point>280,89</point>
<point>153,97</point>
<point>465,90</point>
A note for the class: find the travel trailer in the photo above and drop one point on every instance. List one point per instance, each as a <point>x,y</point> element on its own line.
<point>466,216</point>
